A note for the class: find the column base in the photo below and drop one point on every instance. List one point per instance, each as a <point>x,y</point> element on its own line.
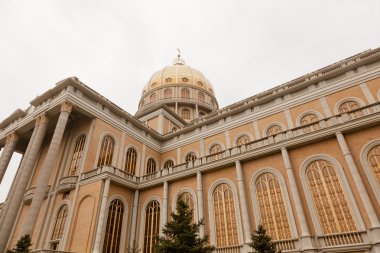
<point>307,244</point>
<point>246,248</point>
<point>374,234</point>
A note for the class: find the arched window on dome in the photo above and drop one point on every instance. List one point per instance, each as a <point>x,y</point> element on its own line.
<point>185,79</point>
<point>213,103</point>
<point>273,130</point>
<point>190,157</point>
<point>185,93</point>
<point>106,151</point>
<point>168,93</point>
<point>130,161</point>
<point>59,228</point>
<point>330,199</point>
<point>201,97</point>
<point>152,97</point>
<point>77,155</point>
<point>273,215</point>
<point>373,158</point>
<point>244,139</point>
<point>168,80</point>
<point>226,231</point>
<point>186,113</point>
<point>200,83</point>
<point>201,114</point>
<point>309,119</point>
<point>349,106</point>
<point>112,234</point>
<point>215,152</point>
<point>152,226</point>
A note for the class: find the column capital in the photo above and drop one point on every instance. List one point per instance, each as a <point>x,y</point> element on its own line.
<point>66,107</point>
<point>338,133</point>
<point>12,137</point>
<point>42,119</point>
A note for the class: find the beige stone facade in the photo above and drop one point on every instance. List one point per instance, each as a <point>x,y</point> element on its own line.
<point>303,159</point>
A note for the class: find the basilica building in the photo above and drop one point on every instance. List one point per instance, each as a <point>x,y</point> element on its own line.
<point>302,159</point>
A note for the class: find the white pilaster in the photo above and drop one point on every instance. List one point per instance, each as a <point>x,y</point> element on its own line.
<point>325,107</point>
<point>289,119</point>
<point>228,138</point>
<point>256,129</point>
<point>132,237</point>
<point>165,203</point>
<point>243,202</point>
<point>200,202</point>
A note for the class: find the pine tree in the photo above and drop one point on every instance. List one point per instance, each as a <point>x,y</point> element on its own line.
<point>22,245</point>
<point>261,242</point>
<point>181,234</point>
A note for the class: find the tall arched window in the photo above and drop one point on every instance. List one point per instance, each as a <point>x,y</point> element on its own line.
<point>130,161</point>
<point>308,119</point>
<point>201,97</point>
<point>190,157</point>
<point>273,130</point>
<point>150,166</point>
<point>215,152</point>
<point>244,139</point>
<point>113,229</point>
<point>59,227</point>
<point>374,161</point>
<point>185,93</point>
<point>152,97</point>
<point>273,214</point>
<point>152,226</point>
<point>348,106</point>
<point>167,93</point>
<point>188,199</point>
<point>226,232</point>
<point>185,113</point>
<point>106,151</point>
<point>77,155</point>
<point>168,164</point>
<point>329,198</point>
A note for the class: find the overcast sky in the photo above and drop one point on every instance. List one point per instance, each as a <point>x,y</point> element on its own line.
<point>242,47</point>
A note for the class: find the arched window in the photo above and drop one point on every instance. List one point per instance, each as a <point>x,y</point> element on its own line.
<point>152,226</point>
<point>130,161</point>
<point>374,161</point>
<point>185,113</point>
<point>201,97</point>
<point>273,130</point>
<point>113,229</point>
<point>348,106</point>
<point>201,114</point>
<point>190,157</point>
<point>244,139</point>
<point>167,93</point>
<point>329,198</point>
<point>226,232</point>
<point>188,199</point>
<point>215,152</point>
<point>168,164</point>
<point>309,119</point>
<point>150,166</point>
<point>185,93</point>
<point>59,227</point>
<point>152,97</point>
<point>106,151</point>
<point>77,155</point>
<point>273,214</point>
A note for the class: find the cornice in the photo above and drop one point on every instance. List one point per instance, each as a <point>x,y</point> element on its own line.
<point>11,118</point>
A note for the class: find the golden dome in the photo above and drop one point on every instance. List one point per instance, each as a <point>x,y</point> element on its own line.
<point>178,73</point>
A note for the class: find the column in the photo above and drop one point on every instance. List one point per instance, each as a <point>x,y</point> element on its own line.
<point>305,238</point>
<point>243,201</point>
<point>7,153</point>
<point>132,237</point>
<point>47,167</point>
<point>358,181</point>
<point>201,215</point>
<point>102,214</point>
<point>26,172</point>
<point>165,203</point>
<point>160,124</point>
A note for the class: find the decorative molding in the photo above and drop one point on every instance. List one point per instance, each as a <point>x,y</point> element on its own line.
<point>316,113</point>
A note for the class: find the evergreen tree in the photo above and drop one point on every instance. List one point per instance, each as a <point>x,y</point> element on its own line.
<point>261,242</point>
<point>22,245</point>
<point>181,234</point>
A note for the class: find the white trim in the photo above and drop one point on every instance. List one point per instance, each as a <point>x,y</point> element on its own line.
<point>250,137</point>
<point>101,137</point>
<point>282,125</point>
<point>54,220</point>
<point>367,168</point>
<point>285,196</point>
<point>345,185</point>
<point>195,201</point>
<point>124,221</point>
<point>346,99</point>
<point>142,219</point>
<point>316,113</point>
<point>215,143</point>
<point>211,209</point>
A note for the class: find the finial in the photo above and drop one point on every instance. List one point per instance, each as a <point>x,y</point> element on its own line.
<point>179,53</point>
<point>178,60</point>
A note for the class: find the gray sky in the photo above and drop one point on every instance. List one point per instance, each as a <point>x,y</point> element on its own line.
<point>242,47</point>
